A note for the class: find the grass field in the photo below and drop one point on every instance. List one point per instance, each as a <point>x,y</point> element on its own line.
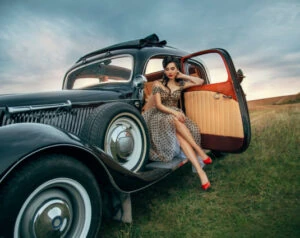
<point>255,194</point>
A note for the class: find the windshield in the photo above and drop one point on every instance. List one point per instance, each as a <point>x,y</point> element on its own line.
<point>110,70</point>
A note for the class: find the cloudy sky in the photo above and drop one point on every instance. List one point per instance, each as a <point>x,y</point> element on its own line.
<point>40,40</point>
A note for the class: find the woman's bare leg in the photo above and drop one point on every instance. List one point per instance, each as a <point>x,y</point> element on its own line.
<point>191,155</point>
<point>186,134</point>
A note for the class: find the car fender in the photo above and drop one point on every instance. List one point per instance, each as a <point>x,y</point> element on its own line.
<point>20,142</point>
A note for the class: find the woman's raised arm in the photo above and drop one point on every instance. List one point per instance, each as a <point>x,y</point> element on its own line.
<point>190,80</point>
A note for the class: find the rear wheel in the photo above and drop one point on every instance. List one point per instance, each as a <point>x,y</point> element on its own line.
<point>120,130</point>
<point>53,196</point>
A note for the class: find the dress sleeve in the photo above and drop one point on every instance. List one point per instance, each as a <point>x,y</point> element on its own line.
<point>156,89</point>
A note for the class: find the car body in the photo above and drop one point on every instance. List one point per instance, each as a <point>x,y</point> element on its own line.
<point>70,153</point>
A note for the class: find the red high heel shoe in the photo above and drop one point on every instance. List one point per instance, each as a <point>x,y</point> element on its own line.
<point>205,186</point>
<point>208,160</point>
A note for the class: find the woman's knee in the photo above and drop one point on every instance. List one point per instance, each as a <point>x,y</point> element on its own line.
<point>179,138</point>
<point>182,142</point>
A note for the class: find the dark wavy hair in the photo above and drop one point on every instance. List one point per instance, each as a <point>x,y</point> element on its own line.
<point>167,60</point>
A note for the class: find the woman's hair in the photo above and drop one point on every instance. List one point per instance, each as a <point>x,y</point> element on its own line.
<point>167,60</point>
<point>171,59</point>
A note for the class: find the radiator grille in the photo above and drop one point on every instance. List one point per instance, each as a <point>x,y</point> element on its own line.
<point>69,120</point>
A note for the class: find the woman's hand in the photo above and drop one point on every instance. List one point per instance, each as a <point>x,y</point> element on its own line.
<point>185,77</point>
<point>179,116</point>
<point>180,75</point>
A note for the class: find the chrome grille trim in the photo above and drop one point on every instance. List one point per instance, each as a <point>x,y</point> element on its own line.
<point>12,110</point>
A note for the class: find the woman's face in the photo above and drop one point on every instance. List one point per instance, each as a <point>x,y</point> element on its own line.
<point>171,70</point>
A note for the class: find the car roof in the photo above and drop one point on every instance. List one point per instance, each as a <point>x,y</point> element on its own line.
<point>151,42</point>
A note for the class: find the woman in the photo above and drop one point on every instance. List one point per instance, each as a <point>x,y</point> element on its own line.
<point>169,128</point>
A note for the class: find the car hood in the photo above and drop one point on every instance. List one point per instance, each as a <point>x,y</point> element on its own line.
<point>62,96</point>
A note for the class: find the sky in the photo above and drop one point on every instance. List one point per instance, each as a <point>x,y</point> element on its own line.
<point>40,40</point>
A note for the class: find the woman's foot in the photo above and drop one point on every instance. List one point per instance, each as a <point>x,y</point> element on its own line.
<point>208,160</point>
<point>205,186</point>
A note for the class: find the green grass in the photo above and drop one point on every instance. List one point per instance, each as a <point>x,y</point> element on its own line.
<point>255,194</point>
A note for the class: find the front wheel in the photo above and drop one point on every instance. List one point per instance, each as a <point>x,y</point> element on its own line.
<point>120,130</point>
<point>52,196</point>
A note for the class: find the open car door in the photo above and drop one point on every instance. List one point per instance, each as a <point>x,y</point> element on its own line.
<point>218,107</point>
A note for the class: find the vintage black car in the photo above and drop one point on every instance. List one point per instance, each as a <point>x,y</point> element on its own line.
<point>66,157</point>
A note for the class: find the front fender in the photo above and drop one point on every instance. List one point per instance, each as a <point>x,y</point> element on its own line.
<point>19,141</point>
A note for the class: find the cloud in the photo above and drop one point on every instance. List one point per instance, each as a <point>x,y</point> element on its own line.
<point>39,51</point>
<point>40,40</point>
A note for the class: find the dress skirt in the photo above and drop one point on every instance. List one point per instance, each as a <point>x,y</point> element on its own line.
<point>161,127</point>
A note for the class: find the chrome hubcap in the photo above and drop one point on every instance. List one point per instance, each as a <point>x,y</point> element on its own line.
<point>121,142</point>
<point>124,141</point>
<point>57,208</point>
<point>52,219</point>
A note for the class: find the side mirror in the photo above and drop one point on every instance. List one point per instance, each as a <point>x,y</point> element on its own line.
<point>240,75</point>
<point>139,81</point>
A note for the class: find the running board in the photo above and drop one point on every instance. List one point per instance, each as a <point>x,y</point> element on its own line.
<point>172,165</point>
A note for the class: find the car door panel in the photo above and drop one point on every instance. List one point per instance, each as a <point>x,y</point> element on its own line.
<point>218,118</point>
<point>219,109</point>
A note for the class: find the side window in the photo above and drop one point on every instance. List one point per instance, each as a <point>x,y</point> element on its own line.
<point>196,69</point>
<point>154,69</point>
<point>111,70</point>
<point>210,67</point>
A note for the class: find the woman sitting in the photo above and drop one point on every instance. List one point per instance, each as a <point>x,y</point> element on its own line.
<point>168,126</point>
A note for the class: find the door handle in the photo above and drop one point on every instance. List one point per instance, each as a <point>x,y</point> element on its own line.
<point>228,97</point>
<point>217,96</point>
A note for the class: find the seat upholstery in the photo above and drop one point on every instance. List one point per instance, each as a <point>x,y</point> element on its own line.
<point>149,101</point>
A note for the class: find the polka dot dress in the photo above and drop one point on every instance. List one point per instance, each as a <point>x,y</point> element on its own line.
<point>161,127</point>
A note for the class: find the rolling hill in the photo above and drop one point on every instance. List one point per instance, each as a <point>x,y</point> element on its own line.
<point>290,99</point>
